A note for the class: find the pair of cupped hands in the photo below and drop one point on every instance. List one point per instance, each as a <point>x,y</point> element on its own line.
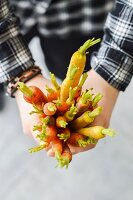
<point>94,81</point>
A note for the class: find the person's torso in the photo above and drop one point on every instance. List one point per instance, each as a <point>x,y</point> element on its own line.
<point>62,17</point>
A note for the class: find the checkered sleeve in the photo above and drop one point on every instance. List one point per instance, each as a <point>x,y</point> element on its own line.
<point>15,57</point>
<point>114,60</point>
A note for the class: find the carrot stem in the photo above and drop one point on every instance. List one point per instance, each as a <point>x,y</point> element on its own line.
<point>63,162</point>
<point>54,82</point>
<point>70,114</point>
<point>72,92</point>
<point>49,90</point>
<point>95,112</point>
<point>37,127</point>
<point>86,141</point>
<point>37,148</point>
<point>51,108</point>
<point>96,99</point>
<point>46,120</point>
<point>25,89</point>
<point>36,110</point>
<point>86,96</point>
<point>82,80</point>
<point>63,124</point>
<point>63,136</point>
<point>110,132</point>
<point>88,44</point>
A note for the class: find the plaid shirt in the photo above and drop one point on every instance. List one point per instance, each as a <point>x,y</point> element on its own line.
<point>114,60</point>
<point>60,18</point>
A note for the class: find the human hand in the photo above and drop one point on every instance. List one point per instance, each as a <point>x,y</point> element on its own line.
<point>108,101</point>
<point>110,95</point>
<point>28,121</point>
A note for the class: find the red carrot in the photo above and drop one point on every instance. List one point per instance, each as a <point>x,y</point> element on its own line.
<point>49,108</point>
<point>65,157</point>
<point>61,122</point>
<point>83,102</point>
<point>32,94</point>
<point>64,134</point>
<point>57,147</point>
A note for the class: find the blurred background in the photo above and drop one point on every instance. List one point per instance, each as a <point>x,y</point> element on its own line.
<point>104,173</point>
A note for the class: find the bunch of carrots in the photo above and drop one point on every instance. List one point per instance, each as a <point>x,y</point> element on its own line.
<point>66,112</point>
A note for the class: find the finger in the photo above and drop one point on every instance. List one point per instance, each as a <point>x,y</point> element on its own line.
<point>76,150</point>
<point>50,153</point>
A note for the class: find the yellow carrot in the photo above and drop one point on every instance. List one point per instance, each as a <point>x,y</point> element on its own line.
<point>85,119</point>
<point>78,59</point>
<point>66,84</point>
<point>96,132</point>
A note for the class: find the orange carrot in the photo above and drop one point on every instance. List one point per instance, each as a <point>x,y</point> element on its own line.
<point>32,94</point>
<point>51,94</point>
<point>57,147</point>
<point>61,122</point>
<point>79,140</point>
<point>61,105</point>
<point>48,134</point>
<point>65,157</point>
<point>49,109</point>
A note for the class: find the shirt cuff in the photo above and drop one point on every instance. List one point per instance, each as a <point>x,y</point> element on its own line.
<point>114,66</point>
<point>15,58</point>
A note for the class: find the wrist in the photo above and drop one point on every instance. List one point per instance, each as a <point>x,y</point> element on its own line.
<point>24,77</point>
